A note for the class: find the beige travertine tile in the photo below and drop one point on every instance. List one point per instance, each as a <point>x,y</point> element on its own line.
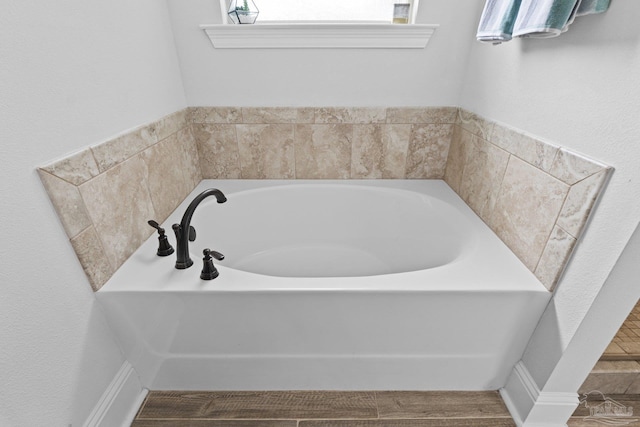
<point>220,115</point>
<point>440,404</point>
<point>360,115</point>
<point>580,201</point>
<point>217,150</point>
<point>428,150</point>
<point>117,150</point>
<point>170,124</point>
<point>379,151</point>
<point>417,115</point>
<point>164,175</point>
<point>305,115</point>
<point>76,169</point>
<point>190,160</point>
<point>484,167</point>
<point>367,152</point>
<point>395,143</point>
<point>266,151</point>
<point>67,202</point>
<point>90,253</point>
<point>461,141</point>
<point>119,205</point>
<point>269,115</point>
<point>571,167</point>
<point>554,257</point>
<point>323,151</point>
<point>474,123</point>
<point>531,150</point>
<point>525,212</point>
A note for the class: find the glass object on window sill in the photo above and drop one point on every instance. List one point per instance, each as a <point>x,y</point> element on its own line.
<point>401,13</point>
<point>243,11</point>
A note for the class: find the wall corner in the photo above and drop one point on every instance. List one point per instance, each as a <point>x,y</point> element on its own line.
<point>119,403</point>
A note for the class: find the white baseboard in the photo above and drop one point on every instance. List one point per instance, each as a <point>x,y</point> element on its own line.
<point>120,401</point>
<point>531,407</point>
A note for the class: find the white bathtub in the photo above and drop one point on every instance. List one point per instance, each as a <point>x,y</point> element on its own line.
<point>344,285</point>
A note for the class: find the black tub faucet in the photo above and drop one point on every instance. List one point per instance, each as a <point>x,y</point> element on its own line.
<point>185,232</point>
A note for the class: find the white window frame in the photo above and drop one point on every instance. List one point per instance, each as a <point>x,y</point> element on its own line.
<point>318,35</point>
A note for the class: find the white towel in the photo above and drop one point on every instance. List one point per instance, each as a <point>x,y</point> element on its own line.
<point>545,18</point>
<point>498,18</point>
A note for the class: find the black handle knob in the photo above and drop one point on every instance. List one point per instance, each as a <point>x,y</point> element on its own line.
<point>164,247</point>
<point>209,271</point>
<point>155,225</point>
<point>209,253</point>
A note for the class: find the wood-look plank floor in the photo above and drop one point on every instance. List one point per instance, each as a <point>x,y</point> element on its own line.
<point>323,409</point>
<point>626,344</point>
<point>581,417</point>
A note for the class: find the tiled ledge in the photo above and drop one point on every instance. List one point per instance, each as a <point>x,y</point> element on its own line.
<point>105,194</point>
<point>536,196</point>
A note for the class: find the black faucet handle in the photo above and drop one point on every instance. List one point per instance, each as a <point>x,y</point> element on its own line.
<point>155,225</point>
<point>209,271</point>
<point>209,253</point>
<point>164,247</point>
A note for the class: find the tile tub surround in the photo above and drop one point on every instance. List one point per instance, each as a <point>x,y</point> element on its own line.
<point>322,143</point>
<point>536,196</point>
<point>105,194</point>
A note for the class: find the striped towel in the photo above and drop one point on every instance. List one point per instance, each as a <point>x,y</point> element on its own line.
<point>498,18</point>
<point>545,18</point>
<point>587,7</point>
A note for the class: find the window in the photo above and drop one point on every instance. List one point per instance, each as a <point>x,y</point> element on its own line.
<point>272,11</point>
<point>321,24</point>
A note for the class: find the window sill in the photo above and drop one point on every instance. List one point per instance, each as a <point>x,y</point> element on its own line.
<point>320,36</point>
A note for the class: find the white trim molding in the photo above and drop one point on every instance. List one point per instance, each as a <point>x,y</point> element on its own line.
<point>120,402</point>
<point>320,36</point>
<point>531,407</point>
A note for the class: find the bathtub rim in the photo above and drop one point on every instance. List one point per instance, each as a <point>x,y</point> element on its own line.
<point>494,267</point>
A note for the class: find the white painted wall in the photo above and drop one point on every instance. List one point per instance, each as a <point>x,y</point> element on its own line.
<point>580,90</point>
<point>72,73</point>
<point>324,77</point>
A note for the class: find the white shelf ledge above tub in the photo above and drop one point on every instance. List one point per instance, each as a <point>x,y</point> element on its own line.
<point>320,36</point>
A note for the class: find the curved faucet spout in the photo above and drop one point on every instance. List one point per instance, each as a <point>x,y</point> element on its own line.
<point>185,232</point>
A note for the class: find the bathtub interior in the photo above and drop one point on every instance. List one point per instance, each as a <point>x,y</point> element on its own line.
<point>311,230</point>
<point>460,322</point>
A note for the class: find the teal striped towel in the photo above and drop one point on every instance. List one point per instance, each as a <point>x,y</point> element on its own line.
<point>503,19</point>
<point>544,18</point>
<point>498,18</point>
<point>587,7</point>
<point>550,18</point>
